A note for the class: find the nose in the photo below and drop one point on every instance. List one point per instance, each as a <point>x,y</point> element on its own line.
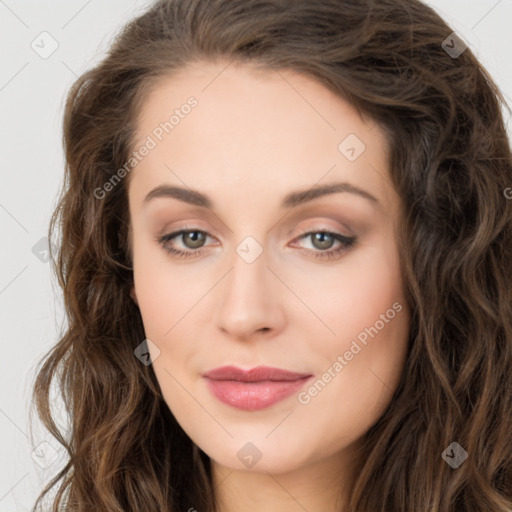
<point>249,302</point>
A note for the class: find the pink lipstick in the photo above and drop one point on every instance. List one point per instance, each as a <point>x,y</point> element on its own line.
<point>254,389</point>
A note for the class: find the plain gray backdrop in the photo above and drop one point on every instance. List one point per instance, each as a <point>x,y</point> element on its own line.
<point>44,47</point>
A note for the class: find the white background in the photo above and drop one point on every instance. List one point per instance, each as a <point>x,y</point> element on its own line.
<point>32,91</point>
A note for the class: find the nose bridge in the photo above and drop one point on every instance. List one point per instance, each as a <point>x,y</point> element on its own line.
<point>249,295</point>
<point>250,268</point>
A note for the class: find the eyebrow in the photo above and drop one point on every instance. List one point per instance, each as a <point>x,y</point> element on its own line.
<point>290,200</point>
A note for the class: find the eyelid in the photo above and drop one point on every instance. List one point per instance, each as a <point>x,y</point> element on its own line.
<point>341,229</point>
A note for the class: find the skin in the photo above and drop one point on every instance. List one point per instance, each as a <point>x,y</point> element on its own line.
<point>254,137</point>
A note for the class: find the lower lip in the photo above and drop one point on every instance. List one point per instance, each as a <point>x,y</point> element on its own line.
<point>253,396</point>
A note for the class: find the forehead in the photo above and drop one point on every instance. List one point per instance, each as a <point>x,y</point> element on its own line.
<point>253,125</point>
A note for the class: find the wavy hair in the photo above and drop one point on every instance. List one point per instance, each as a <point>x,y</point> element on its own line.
<point>450,163</point>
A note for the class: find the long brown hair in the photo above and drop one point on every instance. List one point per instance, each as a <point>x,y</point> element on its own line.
<point>451,164</point>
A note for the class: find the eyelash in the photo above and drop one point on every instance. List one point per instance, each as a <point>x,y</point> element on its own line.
<point>346,244</point>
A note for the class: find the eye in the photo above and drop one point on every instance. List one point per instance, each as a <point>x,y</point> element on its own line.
<point>322,241</point>
<point>194,240</point>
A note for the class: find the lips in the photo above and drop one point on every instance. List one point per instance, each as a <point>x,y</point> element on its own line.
<point>253,389</point>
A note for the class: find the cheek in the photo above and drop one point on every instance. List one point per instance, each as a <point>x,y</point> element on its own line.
<point>166,298</point>
<point>362,366</point>
<point>165,291</point>
<point>155,296</point>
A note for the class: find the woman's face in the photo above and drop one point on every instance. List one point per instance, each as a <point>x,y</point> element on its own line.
<point>257,165</point>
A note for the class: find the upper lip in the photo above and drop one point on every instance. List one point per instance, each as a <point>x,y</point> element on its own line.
<point>256,374</point>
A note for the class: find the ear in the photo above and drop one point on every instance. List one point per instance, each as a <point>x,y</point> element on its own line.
<point>133,295</point>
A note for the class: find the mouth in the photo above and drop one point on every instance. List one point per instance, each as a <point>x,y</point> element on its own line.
<point>254,389</point>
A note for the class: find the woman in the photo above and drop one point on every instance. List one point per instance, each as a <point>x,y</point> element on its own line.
<point>285,258</point>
